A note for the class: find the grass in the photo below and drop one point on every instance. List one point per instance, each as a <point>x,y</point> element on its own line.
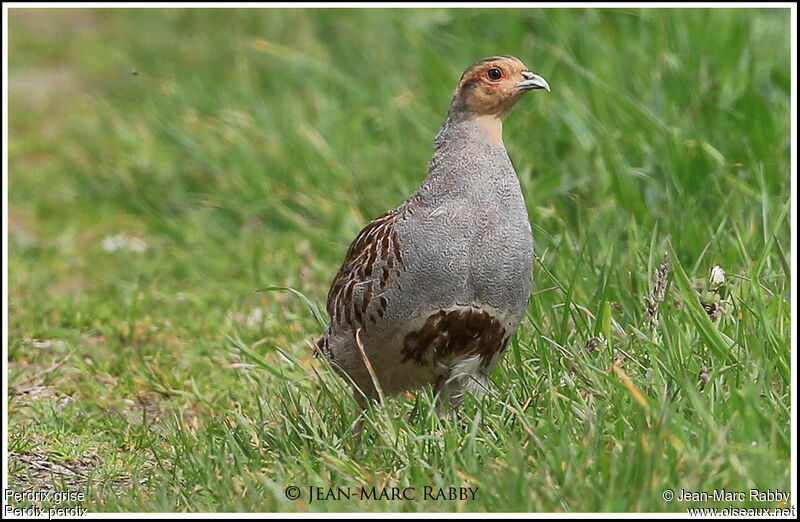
<point>246,148</point>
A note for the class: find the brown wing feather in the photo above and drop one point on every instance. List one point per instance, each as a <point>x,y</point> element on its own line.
<point>371,259</point>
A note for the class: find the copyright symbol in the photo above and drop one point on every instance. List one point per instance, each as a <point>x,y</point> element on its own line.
<point>668,495</point>
<point>292,492</point>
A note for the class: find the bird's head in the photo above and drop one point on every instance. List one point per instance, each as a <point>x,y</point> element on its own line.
<point>493,85</point>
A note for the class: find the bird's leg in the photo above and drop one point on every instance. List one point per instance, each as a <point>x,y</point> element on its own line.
<point>440,392</point>
<point>449,394</point>
<point>457,394</point>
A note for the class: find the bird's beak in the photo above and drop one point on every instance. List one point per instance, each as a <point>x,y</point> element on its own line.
<point>533,81</point>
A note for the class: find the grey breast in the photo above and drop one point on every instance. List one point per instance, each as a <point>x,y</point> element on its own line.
<point>468,241</point>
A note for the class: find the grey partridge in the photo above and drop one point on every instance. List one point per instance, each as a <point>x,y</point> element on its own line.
<point>432,291</point>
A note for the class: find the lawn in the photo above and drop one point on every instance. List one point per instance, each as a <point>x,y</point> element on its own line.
<point>183,185</point>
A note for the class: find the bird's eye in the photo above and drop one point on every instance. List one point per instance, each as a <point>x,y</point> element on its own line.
<point>495,74</point>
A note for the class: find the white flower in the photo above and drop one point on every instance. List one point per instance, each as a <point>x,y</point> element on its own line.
<point>254,318</point>
<point>717,277</point>
<point>112,243</point>
<point>136,245</point>
<point>120,241</point>
<point>46,343</point>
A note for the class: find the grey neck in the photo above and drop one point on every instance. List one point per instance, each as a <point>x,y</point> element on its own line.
<point>469,156</point>
<point>461,125</point>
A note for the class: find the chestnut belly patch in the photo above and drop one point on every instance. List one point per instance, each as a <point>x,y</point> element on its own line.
<point>462,332</point>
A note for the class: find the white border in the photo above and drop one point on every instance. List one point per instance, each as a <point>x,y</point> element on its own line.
<point>793,255</point>
<point>793,213</point>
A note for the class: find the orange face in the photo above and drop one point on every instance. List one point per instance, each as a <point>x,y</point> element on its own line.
<point>492,86</point>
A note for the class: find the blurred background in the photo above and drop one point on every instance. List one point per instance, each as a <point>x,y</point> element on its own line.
<point>166,163</point>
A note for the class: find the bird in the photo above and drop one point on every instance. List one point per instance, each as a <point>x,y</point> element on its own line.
<point>432,291</point>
